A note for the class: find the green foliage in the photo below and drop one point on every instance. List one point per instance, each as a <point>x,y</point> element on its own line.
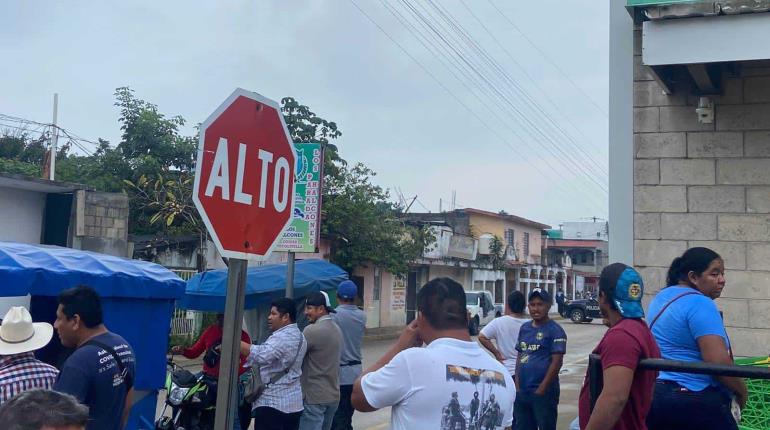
<point>21,155</point>
<point>305,126</point>
<point>497,253</point>
<point>167,202</point>
<point>16,167</point>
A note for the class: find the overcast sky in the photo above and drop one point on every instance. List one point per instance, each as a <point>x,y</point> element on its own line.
<point>523,129</point>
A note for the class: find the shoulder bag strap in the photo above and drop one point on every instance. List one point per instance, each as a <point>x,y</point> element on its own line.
<point>278,376</point>
<point>121,366</point>
<point>669,304</point>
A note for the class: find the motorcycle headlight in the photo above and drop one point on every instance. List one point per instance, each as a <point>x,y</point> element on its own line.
<point>177,395</point>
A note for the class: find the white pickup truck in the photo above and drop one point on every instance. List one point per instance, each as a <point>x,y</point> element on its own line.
<point>481,309</point>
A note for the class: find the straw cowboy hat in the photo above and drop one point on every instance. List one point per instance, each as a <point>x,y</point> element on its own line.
<point>18,334</point>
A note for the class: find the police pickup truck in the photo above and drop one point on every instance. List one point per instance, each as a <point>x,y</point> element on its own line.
<point>581,310</point>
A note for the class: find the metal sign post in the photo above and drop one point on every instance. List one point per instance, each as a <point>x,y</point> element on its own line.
<point>290,276</point>
<point>229,364</point>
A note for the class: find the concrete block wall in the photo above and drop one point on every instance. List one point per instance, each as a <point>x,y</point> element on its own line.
<point>105,224</point>
<point>707,185</point>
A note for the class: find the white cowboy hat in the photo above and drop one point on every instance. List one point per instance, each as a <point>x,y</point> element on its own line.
<point>19,334</point>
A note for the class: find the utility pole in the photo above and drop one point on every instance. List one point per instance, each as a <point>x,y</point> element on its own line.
<point>54,137</point>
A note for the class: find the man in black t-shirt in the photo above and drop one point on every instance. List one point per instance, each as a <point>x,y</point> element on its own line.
<point>101,371</point>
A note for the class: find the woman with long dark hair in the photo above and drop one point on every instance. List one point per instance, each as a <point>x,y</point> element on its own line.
<point>688,326</point>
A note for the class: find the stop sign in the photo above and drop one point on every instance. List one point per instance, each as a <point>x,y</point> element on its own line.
<point>244,178</point>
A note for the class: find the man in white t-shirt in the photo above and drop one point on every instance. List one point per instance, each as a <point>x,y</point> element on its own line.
<point>434,387</point>
<point>505,332</point>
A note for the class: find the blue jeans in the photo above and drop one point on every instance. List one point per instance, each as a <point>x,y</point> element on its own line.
<point>318,417</point>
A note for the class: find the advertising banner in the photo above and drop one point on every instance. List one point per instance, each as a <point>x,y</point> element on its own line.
<point>302,234</point>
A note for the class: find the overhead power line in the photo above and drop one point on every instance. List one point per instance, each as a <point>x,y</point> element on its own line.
<point>487,70</point>
<point>485,123</point>
<point>481,81</point>
<point>548,58</point>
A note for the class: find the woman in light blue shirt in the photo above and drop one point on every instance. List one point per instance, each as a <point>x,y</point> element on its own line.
<point>687,326</point>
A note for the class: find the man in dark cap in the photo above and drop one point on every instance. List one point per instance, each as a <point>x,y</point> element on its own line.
<point>541,346</point>
<point>627,394</point>
<point>352,322</point>
<point>321,367</point>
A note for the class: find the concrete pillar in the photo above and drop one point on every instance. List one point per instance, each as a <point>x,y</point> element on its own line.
<point>621,148</point>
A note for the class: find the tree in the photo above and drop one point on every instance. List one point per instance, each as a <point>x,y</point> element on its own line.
<point>358,216</point>
<point>305,126</point>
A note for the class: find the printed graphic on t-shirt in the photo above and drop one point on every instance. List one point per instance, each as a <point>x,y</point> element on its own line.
<point>482,411</point>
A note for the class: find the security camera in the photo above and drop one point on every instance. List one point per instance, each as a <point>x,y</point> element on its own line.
<point>705,110</point>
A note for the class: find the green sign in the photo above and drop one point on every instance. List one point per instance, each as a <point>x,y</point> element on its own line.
<point>302,234</point>
<point>661,2</point>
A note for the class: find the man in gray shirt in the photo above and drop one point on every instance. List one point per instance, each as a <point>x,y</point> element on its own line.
<point>352,322</point>
<point>320,369</point>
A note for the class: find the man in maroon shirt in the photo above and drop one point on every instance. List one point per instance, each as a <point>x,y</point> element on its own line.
<point>210,342</point>
<point>627,393</point>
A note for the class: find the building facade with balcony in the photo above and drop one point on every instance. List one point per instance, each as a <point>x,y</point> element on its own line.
<point>465,247</point>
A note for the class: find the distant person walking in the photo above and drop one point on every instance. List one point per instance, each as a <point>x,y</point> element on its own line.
<point>19,369</point>
<point>687,326</point>
<point>101,371</point>
<point>352,321</point>
<point>321,366</point>
<point>542,344</point>
<point>627,393</point>
<point>560,299</point>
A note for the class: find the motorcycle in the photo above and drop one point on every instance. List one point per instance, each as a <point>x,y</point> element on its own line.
<point>192,399</point>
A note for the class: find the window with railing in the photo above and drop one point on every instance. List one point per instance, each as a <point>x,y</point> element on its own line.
<point>526,245</point>
<point>510,236</point>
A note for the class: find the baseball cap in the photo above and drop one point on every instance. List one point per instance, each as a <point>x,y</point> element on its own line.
<point>628,287</point>
<point>541,293</point>
<point>347,290</point>
<point>319,298</point>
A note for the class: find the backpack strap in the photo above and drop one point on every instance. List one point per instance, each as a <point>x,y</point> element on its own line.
<point>129,380</point>
<point>669,304</point>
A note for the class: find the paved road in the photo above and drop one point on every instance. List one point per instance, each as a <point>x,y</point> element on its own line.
<point>582,338</point>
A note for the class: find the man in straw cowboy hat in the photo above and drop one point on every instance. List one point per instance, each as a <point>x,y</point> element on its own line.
<point>19,369</point>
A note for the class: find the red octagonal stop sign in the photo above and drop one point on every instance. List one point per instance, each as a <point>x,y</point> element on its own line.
<point>244,179</point>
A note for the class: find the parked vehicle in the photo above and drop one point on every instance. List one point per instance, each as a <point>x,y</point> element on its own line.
<point>582,310</point>
<point>191,398</point>
<point>481,309</point>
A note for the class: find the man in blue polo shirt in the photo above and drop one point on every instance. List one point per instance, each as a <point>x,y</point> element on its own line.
<point>542,344</point>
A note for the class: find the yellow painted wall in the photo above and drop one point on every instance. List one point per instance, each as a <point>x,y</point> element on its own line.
<point>481,224</point>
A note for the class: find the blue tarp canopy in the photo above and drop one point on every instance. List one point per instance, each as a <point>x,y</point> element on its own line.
<point>47,270</point>
<point>206,291</point>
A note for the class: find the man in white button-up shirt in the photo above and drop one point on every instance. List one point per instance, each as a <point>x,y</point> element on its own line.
<point>280,406</point>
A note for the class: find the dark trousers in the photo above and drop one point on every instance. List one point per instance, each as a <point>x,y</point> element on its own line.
<point>272,419</point>
<point>675,407</point>
<point>533,412</point>
<point>343,418</point>
<point>244,415</point>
